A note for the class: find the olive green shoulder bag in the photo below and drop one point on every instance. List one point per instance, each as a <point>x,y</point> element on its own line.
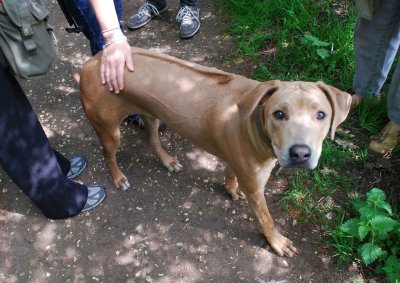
<point>27,43</point>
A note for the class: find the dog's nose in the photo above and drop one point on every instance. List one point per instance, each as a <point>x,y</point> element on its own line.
<point>300,153</point>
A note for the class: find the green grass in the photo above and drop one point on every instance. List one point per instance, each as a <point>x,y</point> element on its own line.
<point>372,114</point>
<point>311,41</point>
<point>310,192</point>
<point>274,33</point>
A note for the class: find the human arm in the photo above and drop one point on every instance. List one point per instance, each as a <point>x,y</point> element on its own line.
<point>117,52</point>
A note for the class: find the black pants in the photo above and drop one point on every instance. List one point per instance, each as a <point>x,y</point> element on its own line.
<point>29,160</point>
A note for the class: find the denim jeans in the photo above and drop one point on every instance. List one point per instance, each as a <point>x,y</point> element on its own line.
<point>84,16</point>
<point>160,4</point>
<point>376,44</point>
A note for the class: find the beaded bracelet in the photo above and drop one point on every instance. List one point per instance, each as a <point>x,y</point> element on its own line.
<point>114,40</point>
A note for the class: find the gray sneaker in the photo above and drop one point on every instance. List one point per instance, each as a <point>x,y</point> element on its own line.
<point>144,15</point>
<point>78,165</point>
<point>188,17</point>
<point>96,194</point>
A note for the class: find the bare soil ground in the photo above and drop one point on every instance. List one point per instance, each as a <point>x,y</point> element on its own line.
<point>179,227</point>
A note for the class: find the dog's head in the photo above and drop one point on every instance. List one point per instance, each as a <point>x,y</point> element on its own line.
<point>296,117</point>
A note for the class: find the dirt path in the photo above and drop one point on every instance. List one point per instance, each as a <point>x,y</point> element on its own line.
<point>169,227</point>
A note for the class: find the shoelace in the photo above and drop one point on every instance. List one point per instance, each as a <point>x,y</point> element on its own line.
<point>185,16</point>
<point>147,7</point>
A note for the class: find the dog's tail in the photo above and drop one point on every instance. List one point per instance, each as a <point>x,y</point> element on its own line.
<point>77,77</point>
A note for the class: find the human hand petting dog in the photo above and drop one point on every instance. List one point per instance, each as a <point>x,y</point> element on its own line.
<point>116,51</point>
<point>116,56</point>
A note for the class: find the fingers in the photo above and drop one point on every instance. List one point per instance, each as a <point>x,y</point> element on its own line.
<point>114,59</point>
<point>119,77</point>
<point>106,72</point>
<point>102,73</point>
<point>129,62</point>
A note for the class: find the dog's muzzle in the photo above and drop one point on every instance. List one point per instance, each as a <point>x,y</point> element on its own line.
<point>299,157</point>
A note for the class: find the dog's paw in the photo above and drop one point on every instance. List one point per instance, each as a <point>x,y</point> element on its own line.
<point>174,166</point>
<point>237,195</point>
<point>122,184</point>
<point>282,245</point>
<point>232,187</point>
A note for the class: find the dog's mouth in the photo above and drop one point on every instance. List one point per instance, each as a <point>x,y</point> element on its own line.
<point>303,165</point>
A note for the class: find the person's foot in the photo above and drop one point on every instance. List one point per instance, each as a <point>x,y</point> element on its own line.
<point>144,15</point>
<point>387,140</point>
<point>188,17</point>
<point>96,194</point>
<point>135,119</point>
<point>78,165</point>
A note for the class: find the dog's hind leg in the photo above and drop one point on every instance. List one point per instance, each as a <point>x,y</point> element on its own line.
<point>231,184</point>
<point>152,124</point>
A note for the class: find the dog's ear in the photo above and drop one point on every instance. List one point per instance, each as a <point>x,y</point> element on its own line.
<point>257,96</point>
<point>340,102</point>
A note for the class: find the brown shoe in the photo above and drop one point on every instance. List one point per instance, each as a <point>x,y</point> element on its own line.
<point>387,140</point>
<point>355,101</point>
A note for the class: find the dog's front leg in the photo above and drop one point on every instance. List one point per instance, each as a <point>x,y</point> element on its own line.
<point>252,182</point>
<point>282,245</point>
<point>109,135</point>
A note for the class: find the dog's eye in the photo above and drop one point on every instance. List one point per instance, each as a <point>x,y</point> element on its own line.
<point>321,115</point>
<point>279,115</point>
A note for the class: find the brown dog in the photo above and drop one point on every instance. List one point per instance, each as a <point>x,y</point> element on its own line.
<point>249,124</point>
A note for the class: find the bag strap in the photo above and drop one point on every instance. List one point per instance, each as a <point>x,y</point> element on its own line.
<point>74,27</point>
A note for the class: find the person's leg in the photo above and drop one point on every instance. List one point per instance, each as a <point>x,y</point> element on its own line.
<point>393,99</point>
<point>375,47</point>
<point>189,2</point>
<point>64,163</point>
<point>146,12</point>
<point>29,160</point>
<point>83,13</point>
<point>389,137</point>
<point>159,4</point>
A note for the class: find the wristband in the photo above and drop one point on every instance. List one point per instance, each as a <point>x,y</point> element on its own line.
<point>114,40</point>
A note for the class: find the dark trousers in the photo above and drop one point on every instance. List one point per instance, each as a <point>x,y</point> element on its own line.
<point>29,160</point>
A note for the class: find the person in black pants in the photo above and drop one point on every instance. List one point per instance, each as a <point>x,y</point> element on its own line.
<point>27,157</point>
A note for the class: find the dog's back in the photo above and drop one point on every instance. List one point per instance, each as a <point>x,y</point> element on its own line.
<point>164,87</point>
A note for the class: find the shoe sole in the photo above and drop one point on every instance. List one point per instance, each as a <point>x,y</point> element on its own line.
<point>189,35</point>
<point>145,23</point>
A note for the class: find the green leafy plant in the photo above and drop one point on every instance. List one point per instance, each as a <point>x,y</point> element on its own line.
<point>320,46</point>
<point>376,234</point>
